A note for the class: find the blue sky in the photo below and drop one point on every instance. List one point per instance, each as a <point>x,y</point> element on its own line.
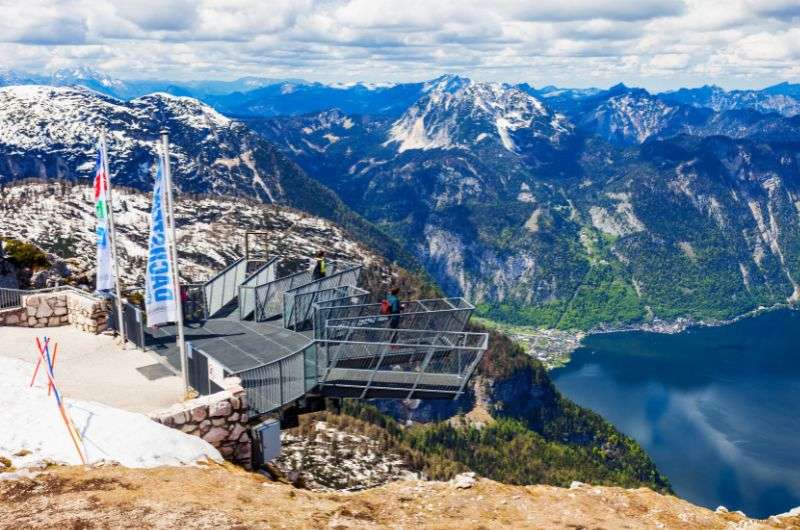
<point>658,44</point>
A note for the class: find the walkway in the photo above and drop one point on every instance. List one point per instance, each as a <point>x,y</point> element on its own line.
<point>236,344</point>
<point>96,368</point>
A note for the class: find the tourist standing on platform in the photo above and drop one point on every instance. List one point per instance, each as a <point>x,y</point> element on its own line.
<point>321,267</point>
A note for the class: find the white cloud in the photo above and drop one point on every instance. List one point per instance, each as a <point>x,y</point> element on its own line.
<point>655,43</point>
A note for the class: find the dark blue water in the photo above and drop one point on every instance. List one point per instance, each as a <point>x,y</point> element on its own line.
<point>716,408</point>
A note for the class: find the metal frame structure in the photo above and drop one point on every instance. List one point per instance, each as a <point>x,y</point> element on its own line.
<point>443,314</point>
<point>222,288</point>
<point>354,296</point>
<point>247,299</point>
<point>298,303</point>
<point>423,352</point>
<point>400,363</point>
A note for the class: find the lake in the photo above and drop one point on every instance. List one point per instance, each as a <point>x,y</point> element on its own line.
<point>716,408</point>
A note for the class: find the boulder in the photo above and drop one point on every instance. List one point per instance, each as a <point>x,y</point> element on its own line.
<point>236,432</point>
<point>199,413</point>
<point>463,480</point>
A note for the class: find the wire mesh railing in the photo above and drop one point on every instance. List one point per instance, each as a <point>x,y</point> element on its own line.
<point>247,298</point>
<point>269,297</point>
<point>298,303</point>
<point>440,314</point>
<point>354,297</point>
<point>280,382</point>
<point>221,289</point>
<point>399,361</point>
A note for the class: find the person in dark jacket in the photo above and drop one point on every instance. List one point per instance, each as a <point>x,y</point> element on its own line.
<point>395,307</point>
<point>320,268</point>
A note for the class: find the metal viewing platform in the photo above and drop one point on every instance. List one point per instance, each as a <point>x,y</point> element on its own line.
<point>288,336</point>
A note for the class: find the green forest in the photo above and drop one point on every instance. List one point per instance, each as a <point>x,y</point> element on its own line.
<point>547,440</point>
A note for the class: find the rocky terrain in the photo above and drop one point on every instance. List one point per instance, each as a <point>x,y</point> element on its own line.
<point>581,210</point>
<point>59,218</point>
<point>575,209</point>
<point>322,456</point>
<point>219,497</point>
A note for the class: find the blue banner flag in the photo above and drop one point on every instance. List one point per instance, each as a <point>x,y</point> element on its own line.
<point>161,301</point>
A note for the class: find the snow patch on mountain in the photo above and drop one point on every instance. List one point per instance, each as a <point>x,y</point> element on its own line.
<point>452,110</point>
<point>59,218</point>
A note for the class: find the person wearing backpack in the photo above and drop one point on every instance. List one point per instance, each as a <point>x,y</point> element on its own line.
<point>320,268</point>
<point>392,307</point>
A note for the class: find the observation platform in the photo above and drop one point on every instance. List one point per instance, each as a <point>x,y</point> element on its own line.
<point>286,336</point>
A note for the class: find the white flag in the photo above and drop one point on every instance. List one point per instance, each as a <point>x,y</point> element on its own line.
<point>105,272</point>
<point>161,301</point>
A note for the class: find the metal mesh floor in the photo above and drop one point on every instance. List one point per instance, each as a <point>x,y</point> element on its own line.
<point>238,345</point>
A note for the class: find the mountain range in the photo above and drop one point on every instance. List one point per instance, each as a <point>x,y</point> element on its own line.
<point>558,207</point>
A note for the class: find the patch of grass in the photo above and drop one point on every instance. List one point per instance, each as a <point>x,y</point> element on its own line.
<point>24,255</point>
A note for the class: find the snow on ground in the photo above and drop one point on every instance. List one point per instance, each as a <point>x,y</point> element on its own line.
<point>32,431</point>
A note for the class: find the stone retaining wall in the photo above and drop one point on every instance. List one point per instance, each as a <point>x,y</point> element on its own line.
<point>59,308</point>
<point>220,419</point>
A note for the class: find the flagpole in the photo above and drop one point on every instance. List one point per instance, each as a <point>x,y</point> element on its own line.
<point>113,240</point>
<point>173,256</point>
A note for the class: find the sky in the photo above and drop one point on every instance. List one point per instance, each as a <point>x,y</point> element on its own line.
<point>657,44</point>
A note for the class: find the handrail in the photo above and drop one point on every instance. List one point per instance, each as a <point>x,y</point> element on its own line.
<point>269,296</point>
<point>483,337</point>
<point>49,290</point>
<point>261,275</point>
<point>223,287</point>
<point>305,295</point>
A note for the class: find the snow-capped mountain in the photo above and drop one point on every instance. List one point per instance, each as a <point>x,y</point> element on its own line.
<point>130,89</point>
<point>456,113</point>
<point>625,115</point>
<point>783,99</point>
<point>550,210</point>
<point>52,132</point>
<point>292,98</point>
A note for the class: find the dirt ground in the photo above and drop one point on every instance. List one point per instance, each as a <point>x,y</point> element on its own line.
<point>224,497</point>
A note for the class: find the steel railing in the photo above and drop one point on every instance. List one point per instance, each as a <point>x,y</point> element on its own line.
<point>269,297</point>
<point>401,361</point>
<point>354,297</point>
<point>12,298</point>
<point>247,298</point>
<point>282,381</point>
<point>133,318</point>
<point>440,314</point>
<point>223,288</point>
<point>298,303</point>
